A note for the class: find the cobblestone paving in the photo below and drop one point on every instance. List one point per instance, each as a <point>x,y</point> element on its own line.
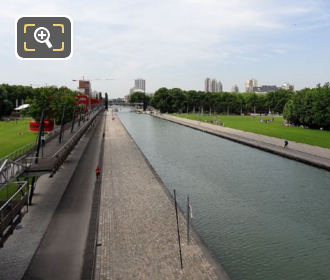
<point>137,226</point>
<point>307,153</point>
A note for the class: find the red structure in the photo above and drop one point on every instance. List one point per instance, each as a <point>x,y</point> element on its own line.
<point>34,126</point>
<point>80,99</point>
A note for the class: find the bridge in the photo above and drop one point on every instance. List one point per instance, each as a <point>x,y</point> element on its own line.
<point>123,103</point>
<point>20,169</point>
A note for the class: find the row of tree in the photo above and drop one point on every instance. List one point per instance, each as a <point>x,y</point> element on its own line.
<point>52,99</point>
<point>307,107</point>
<point>178,101</point>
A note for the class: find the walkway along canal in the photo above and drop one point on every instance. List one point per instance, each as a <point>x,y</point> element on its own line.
<point>262,215</point>
<point>137,225</point>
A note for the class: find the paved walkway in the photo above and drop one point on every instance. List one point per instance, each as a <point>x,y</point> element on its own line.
<point>137,225</point>
<point>21,246</point>
<point>309,154</point>
<point>61,252</point>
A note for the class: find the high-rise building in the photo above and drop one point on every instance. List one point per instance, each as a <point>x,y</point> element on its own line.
<point>219,87</point>
<point>288,86</point>
<point>214,85</point>
<point>250,84</point>
<point>234,88</point>
<point>85,87</point>
<point>140,84</point>
<point>207,85</point>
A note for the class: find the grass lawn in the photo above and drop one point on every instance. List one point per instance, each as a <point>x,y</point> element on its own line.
<point>274,129</point>
<point>8,190</point>
<point>15,135</point>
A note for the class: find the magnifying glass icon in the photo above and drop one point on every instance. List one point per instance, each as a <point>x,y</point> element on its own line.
<point>41,35</point>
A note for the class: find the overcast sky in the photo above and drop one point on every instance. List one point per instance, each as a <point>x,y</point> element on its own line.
<point>177,43</point>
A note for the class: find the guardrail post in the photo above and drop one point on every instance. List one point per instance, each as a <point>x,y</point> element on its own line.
<point>62,125</point>
<point>32,190</point>
<point>41,129</point>
<point>73,119</point>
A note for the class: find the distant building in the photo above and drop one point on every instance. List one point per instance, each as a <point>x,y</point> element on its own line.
<point>250,84</point>
<point>288,86</point>
<point>85,87</point>
<point>264,89</point>
<point>234,88</point>
<point>140,84</point>
<point>214,85</point>
<point>207,85</point>
<point>219,87</point>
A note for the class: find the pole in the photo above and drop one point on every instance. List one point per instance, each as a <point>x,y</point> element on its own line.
<point>178,230</point>
<point>73,119</point>
<point>41,129</point>
<point>62,125</point>
<point>188,220</point>
<point>42,146</point>
<point>106,101</point>
<point>32,189</point>
<point>79,116</point>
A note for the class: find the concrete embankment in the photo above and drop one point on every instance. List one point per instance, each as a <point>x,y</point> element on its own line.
<point>312,155</point>
<point>137,224</point>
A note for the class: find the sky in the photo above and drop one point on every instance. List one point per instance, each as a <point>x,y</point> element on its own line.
<point>176,43</point>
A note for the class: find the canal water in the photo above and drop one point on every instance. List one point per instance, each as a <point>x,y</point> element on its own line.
<point>263,216</point>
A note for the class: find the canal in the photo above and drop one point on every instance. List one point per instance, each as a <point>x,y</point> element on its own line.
<point>264,217</point>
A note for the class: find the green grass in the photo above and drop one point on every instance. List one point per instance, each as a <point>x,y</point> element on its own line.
<point>274,129</point>
<point>8,190</point>
<point>15,135</point>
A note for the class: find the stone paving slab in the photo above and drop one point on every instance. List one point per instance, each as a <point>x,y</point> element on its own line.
<point>309,154</point>
<point>137,224</point>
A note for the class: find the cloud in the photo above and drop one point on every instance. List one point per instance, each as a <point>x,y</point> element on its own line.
<point>156,39</point>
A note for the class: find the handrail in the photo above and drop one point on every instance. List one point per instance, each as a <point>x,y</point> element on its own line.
<point>4,163</point>
<point>13,196</point>
<point>73,136</point>
<point>15,154</point>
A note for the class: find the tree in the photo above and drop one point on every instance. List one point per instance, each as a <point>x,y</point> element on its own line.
<point>52,100</point>
<point>309,107</point>
<point>275,101</point>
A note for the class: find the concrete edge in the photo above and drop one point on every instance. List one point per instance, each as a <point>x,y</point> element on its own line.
<point>219,270</point>
<point>258,145</point>
<point>90,253</point>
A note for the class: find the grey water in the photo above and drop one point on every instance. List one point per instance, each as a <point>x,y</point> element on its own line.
<point>264,217</point>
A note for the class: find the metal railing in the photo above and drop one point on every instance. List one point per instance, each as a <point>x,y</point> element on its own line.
<point>22,151</point>
<point>65,150</point>
<point>11,211</point>
<point>10,169</point>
